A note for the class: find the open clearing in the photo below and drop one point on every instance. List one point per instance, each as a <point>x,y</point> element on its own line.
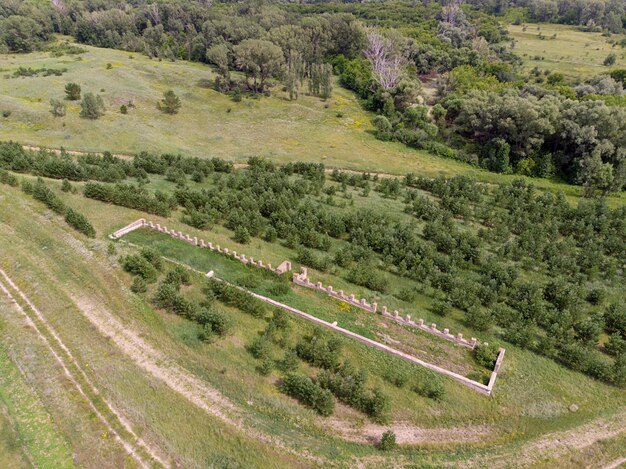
<point>572,52</point>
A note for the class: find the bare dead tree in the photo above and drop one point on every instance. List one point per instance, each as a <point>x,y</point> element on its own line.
<point>59,5</point>
<point>155,13</point>
<point>387,62</point>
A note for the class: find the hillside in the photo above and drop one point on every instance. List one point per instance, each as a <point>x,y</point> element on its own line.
<point>262,234</point>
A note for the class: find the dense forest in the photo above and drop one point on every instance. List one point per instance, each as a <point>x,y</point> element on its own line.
<point>485,109</point>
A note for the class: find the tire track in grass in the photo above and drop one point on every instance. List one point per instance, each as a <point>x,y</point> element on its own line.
<point>137,447</point>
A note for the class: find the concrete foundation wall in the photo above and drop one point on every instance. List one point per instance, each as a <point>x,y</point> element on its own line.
<point>283,267</point>
<point>303,280</point>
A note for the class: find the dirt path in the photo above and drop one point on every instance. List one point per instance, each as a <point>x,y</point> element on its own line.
<point>157,364</point>
<point>129,447</point>
<point>615,464</point>
<point>126,156</point>
<point>554,445</point>
<point>409,434</point>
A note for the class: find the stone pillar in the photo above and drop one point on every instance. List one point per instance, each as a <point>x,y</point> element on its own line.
<point>459,336</point>
<point>396,314</point>
<point>433,326</point>
<point>260,263</point>
<point>226,251</point>
<point>341,294</point>
<point>408,318</point>
<point>202,243</point>
<point>420,322</point>
<point>329,288</point>
<point>158,226</point>
<point>210,245</point>
<point>195,240</point>
<point>446,331</point>
<point>352,298</point>
<point>269,266</point>
<point>473,342</point>
<point>374,307</point>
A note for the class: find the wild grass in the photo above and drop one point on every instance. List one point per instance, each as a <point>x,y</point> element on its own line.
<point>565,49</point>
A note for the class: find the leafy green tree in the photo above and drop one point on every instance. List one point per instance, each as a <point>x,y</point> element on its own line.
<point>220,56</point>
<point>388,441</point>
<point>92,106</point>
<point>57,108</point>
<point>259,60</point>
<point>20,33</point>
<point>610,59</point>
<point>72,91</point>
<point>170,104</point>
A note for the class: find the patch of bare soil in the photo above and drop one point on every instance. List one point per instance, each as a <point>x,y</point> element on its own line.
<point>408,434</point>
<point>557,444</point>
<point>157,364</point>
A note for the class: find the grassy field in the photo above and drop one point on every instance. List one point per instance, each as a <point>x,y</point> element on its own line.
<point>565,49</point>
<point>209,124</point>
<point>523,408</point>
<point>80,287</point>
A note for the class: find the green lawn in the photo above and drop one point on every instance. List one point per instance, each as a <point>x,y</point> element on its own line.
<point>572,52</point>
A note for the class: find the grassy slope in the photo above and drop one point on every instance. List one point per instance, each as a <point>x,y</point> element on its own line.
<point>303,130</point>
<point>532,393</point>
<point>33,429</point>
<point>574,53</point>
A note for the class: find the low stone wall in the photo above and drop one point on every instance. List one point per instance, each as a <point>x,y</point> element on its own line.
<point>303,280</point>
<point>128,228</point>
<point>475,385</point>
<point>432,329</point>
<point>496,370</point>
<point>283,267</point>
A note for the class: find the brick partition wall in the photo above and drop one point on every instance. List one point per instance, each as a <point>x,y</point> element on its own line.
<point>303,280</point>
<point>283,267</point>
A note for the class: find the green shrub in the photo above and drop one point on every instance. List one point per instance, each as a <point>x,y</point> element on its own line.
<point>139,265</point>
<point>290,362</point>
<point>8,179</point>
<point>318,351</point>
<point>431,388</point>
<point>165,295</point>
<point>242,235</point>
<point>309,393</point>
<point>218,321</point>
<point>66,186</point>
<point>139,285</point>
<point>369,277</point>
<point>153,256</point>
<point>266,367</point>
<point>178,276</point>
<point>388,441</point>
<point>79,222</point>
<point>260,348</point>
<point>486,355</point>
